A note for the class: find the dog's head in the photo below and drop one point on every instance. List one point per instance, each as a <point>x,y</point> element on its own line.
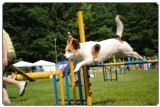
<point>72,48</point>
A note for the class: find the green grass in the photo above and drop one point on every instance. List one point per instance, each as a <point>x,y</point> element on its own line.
<point>132,88</point>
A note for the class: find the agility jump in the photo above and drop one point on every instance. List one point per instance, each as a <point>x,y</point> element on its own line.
<point>109,74</point>
<point>88,92</point>
<point>69,99</point>
<point>123,63</point>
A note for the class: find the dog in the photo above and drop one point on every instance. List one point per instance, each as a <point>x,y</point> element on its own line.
<point>90,52</point>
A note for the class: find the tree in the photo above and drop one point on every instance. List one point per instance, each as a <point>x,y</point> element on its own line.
<point>34,26</point>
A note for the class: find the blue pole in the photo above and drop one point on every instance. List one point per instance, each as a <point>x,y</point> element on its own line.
<point>111,75</point>
<point>93,70</point>
<point>129,59</point>
<point>104,78</point>
<point>79,84</point>
<point>147,66</point>
<point>111,68</point>
<point>67,84</point>
<point>55,89</point>
<point>116,75</point>
<point>80,88</point>
<point>151,66</point>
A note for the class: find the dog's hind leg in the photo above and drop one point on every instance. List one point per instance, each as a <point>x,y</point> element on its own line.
<point>80,64</point>
<point>139,57</point>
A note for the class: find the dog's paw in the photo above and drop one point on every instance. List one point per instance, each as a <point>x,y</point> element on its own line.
<point>78,66</point>
<point>76,69</point>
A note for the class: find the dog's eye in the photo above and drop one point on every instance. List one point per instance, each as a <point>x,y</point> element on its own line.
<point>69,50</point>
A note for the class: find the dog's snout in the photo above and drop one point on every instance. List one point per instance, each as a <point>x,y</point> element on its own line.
<point>64,57</point>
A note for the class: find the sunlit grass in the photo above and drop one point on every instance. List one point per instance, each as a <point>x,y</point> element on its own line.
<point>132,88</point>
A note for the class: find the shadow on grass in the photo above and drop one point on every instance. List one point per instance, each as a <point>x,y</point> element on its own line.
<point>104,102</point>
<point>11,98</point>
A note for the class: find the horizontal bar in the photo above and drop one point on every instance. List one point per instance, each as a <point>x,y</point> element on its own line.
<point>135,62</point>
<point>152,61</point>
<point>122,63</point>
<point>112,64</point>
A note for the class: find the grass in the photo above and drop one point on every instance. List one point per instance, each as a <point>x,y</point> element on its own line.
<point>132,88</point>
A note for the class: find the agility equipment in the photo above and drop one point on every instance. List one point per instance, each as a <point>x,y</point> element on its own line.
<point>60,75</point>
<point>86,80</point>
<point>22,73</point>
<point>92,71</point>
<point>109,73</point>
<point>34,75</point>
<point>69,91</point>
<point>87,89</point>
<point>123,63</point>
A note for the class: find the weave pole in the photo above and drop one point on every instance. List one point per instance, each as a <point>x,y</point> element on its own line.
<point>85,72</point>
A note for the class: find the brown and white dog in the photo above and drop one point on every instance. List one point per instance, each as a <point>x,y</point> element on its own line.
<point>89,52</point>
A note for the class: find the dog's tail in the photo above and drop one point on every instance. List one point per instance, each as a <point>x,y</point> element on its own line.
<point>119,26</point>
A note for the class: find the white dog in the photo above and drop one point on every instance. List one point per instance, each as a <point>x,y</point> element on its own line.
<point>89,52</point>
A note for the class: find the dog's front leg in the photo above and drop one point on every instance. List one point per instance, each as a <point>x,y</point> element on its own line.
<point>80,64</point>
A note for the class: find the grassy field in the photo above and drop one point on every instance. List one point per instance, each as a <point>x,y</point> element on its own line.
<point>132,88</point>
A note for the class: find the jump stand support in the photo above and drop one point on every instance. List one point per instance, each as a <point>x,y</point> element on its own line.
<point>109,73</point>
<point>69,90</point>
<point>87,84</point>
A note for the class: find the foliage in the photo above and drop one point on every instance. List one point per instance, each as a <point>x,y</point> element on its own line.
<point>34,26</point>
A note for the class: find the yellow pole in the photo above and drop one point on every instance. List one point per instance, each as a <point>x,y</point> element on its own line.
<point>87,86</point>
<point>103,74</point>
<point>114,70</point>
<point>81,26</point>
<point>86,80</point>
<point>152,61</point>
<point>114,59</point>
<point>73,82</point>
<point>61,88</point>
<point>95,72</point>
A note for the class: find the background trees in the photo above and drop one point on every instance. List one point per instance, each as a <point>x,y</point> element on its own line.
<point>34,26</point>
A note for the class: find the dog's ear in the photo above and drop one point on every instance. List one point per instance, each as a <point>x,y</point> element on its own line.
<point>75,44</point>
